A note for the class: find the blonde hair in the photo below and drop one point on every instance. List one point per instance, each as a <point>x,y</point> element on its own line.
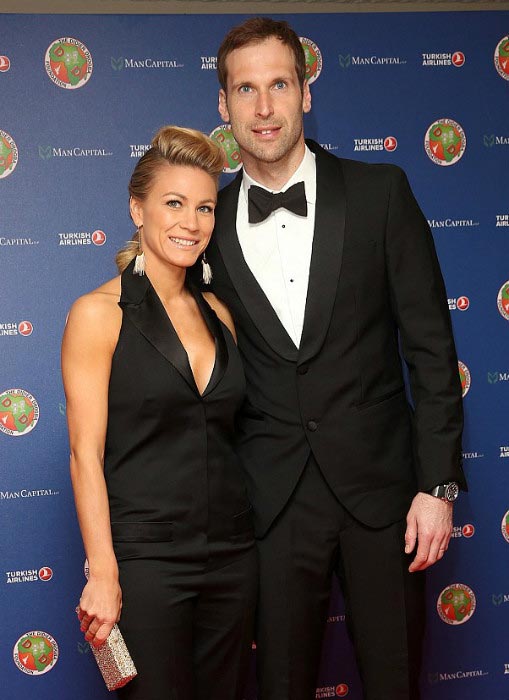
<point>174,145</point>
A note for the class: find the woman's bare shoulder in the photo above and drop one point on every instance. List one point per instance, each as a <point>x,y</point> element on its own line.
<point>97,310</point>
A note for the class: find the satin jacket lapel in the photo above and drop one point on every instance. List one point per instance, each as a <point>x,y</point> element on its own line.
<point>246,286</point>
<point>327,251</point>
<point>216,330</point>
<point>144,309</point>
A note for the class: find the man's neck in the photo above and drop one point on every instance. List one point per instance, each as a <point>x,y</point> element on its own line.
<point>275,175</point>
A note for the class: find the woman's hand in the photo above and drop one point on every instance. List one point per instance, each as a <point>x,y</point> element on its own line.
<point>99,608</point>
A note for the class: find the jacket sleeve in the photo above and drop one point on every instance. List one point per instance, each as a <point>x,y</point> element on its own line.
<point>419,304</point>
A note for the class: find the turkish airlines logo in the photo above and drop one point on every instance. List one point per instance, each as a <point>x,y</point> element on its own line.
<point>390,143</point>
<point>468,530</point>
<point>5,64</point>
<point>25,328</point>
<point>458,59</point>
<point>98,237</point>
<point>45,574</point>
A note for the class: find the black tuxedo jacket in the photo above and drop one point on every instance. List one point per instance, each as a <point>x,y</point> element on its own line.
<point>375,289</point>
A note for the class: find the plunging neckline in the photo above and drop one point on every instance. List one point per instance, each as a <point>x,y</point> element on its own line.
<point>198,298</point>
<point>142,307</point>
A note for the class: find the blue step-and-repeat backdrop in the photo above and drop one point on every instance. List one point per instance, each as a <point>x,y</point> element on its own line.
<point>80,98</point>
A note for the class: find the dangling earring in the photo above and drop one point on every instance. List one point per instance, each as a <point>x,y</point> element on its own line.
<point>139,263</point>
<point>206,273</point>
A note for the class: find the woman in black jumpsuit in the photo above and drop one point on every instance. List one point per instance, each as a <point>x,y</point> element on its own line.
<point>176,563</point>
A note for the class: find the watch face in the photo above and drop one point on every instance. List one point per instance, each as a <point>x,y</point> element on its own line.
<point>452,491</point>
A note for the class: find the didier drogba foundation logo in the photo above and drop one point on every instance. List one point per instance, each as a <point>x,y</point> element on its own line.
<point>465,378</point>
<point>19,412</point>
<point>68,63</point>
<point>456,604</point>
<point>501,58</point>
<point>503,300</point>
<point>8,154</point>
<point>445,142</point>
<point>223,136</point>
<point>314,61</point>
<point>35,653</point>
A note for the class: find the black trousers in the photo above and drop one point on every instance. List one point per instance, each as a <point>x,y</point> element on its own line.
<point>188,618</point>
<point>312,539</point>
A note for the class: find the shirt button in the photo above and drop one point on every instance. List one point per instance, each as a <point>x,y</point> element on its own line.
<point>303,369</point>
<point>312,426</point>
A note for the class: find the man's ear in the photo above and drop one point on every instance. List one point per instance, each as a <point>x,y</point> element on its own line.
<point>306,98</point>
<point>223,107</point>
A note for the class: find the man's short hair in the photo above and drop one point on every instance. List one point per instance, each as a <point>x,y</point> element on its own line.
<point>255,30</point>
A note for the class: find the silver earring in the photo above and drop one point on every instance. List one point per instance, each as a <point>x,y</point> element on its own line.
<point>206,270</point>
<point>139,263</point>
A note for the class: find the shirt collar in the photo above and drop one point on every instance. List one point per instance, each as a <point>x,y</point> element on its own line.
<point>306,172</point>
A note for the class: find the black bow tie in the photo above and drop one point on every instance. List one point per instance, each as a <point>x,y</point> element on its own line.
<point>261,202</point>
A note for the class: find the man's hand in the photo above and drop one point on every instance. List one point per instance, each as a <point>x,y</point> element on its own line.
<point>429,523</point>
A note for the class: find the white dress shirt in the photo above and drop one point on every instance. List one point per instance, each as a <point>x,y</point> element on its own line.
<point>278,249</point>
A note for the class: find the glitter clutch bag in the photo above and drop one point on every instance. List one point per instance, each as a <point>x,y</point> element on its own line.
<point>114,661</point>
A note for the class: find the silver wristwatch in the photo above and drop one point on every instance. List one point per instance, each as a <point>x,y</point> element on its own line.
<point>446,492</point>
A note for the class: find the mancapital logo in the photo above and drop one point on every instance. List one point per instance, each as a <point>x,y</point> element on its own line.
<point>452,223</point>
<point>27,493</point>
<point>465,378</point>
<point>456,604</point>
<point>8,154</point>
<point>438,677</point>
<point>504,451</point>
<point>495,377</point>
<point>47,152</point>
<point>329,146</point>
<point>456,59</point>
<point>23,328</point>
<point>68,63</point>
<point>314,61</point>
<point>385,143</point>
<point>332,691</point>
<point>472,455</point>
<point>347,61</point>
<point>459,303</point>
<point>501,58</point>
<point>19,412</point>
<point>502,220</point>
<point>503,300</point>
<point>506,668</point>
<point>490,140</point>
<point>18,241</point>
<point>81,238</point>
<point>504,526</point>
<point>122,63</point>
<point>5,64</point>
<point>35,653</point>
<point>467,531</point>
<point>445,142</point>
<point>499,599</point>
<point>45,573</point>
<point>223,136</point>
<point>336,618</point>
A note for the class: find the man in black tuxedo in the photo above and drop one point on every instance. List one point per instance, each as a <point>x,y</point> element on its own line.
<point>326,282</point>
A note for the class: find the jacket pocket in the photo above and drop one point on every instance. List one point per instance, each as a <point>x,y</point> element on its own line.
<point>144,531</point>
<point>380,399</point>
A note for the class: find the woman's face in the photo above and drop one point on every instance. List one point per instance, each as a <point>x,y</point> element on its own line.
<point>177,215</point>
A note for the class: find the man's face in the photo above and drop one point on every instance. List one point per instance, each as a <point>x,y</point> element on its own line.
<point>264,102</point>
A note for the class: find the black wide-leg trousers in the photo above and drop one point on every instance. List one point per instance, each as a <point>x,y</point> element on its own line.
<point>187,619</point>
<point>312,539</point>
